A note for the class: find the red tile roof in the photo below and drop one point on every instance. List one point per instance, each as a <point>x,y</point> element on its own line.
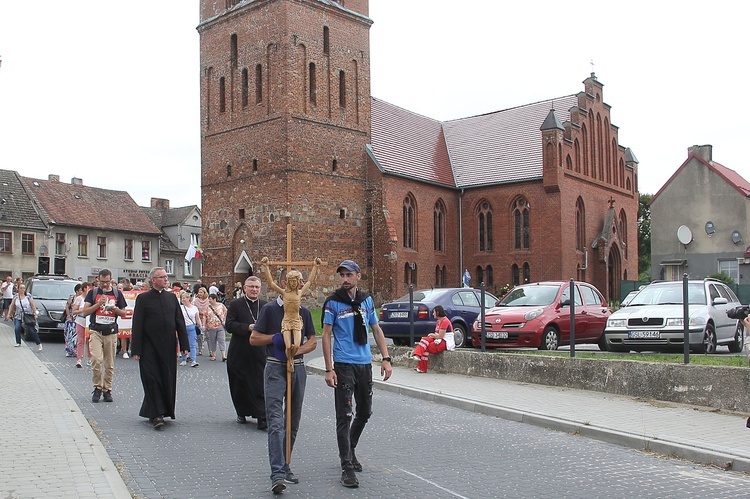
<point>83,206</point>
<point>500,147</point>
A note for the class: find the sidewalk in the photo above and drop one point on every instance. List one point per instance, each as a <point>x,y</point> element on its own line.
<point>48,446</point>
<point>692,433</point>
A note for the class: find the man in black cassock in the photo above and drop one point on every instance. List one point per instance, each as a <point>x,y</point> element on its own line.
<point>245,363</point>
<point>157,324</point>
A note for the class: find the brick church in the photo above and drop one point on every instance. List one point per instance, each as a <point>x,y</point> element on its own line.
<point>291,135</point>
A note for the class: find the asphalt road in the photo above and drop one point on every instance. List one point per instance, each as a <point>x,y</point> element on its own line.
<point>410,448</point>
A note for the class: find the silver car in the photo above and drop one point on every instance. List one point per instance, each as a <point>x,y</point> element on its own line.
<point>653,320</point>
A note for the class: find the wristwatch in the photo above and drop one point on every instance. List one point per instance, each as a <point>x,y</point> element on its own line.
<point>386,359</point>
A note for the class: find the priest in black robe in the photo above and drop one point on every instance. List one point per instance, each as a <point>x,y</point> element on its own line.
<point>158,323</point>
<point>245,363</point>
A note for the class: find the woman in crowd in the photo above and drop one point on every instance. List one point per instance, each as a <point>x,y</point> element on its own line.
<point>80,319</point>
<point>238,293</point>
<point>193,323</point>
<point>215,318</point>
<point>439,341</point>
<point>70,324</point>
<point>201,301</point>
<point>24,304</point>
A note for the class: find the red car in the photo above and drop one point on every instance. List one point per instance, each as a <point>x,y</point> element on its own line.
<point>538,315</point>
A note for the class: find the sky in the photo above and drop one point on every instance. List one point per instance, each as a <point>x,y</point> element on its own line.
<point>109,91</point>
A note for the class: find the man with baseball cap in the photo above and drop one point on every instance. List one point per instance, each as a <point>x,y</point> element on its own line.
<point>346,315</point>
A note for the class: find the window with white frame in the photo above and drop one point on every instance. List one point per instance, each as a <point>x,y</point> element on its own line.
<point>101,247</point>
<point>195,239</point>
<point>169,267</point>
<point>730,268</point>
<point>188,268</point>
<point>128,250</point>
<point>146,251</point>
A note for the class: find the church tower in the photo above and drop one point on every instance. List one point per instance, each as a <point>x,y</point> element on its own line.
<point>285,120</point>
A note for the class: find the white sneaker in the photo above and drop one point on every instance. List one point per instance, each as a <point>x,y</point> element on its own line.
<point>40,347</point>
<point>183,363</point>
<point>17,345</point>
<point>193,364</point>
<point>125,355</point>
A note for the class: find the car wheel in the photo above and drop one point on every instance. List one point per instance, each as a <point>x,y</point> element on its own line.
<point>739,339</point>
<point>459,335</point>
<point>602,343</point>
<point>550,339</point>
<point>709,341</point>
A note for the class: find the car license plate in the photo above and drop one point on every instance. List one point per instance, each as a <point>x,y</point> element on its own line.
<point>60,325</point>
<point>644,334</point>
<point>497,335</point>
<point>399,315</point>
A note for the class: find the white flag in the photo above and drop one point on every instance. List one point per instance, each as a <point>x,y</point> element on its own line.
<point>190,253</point>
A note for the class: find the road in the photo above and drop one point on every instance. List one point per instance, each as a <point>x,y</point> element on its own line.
<point>409,448</point>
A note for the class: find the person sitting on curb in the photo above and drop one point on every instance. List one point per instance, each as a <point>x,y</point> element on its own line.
<point>439,341</point>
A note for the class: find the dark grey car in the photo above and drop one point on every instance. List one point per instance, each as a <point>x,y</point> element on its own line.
<point>51,293</point>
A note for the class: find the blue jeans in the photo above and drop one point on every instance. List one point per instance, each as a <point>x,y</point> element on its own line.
<point>274,383</point>
<point>19,327</point>
<point>354,380</point>
<point>192,341</point>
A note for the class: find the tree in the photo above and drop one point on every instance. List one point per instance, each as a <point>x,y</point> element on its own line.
<point>644,235</point>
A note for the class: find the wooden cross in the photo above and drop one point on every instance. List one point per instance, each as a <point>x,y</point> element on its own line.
<point>289,263</point>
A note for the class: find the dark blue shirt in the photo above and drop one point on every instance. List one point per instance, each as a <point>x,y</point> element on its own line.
<point>269,322</point>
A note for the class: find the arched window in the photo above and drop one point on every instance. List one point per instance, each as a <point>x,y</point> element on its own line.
<point>445,277</point>
<point>440,276</point>
<point>480,275</point>
<point>258,84</point>
<point>313,84</point>
<point>614,163</point>
<point>624,232</point>
<point>568,162</point>
<point>521,227</point>
<point>490,275</point>
<point>515,275</point>
<point>599,145</point>
<point>409,217</point>
<point>622,173</point>
<point>580,225</point>
<point>233,50</point>
<point>585,136</point>
<point>526,273</point>
<point>484,220</point>
<point>245,87</point>
<point>326,40</point>
<point>222,95</point>
<point>438,223</point>
<point>577,147</point>
<point>407,273</point>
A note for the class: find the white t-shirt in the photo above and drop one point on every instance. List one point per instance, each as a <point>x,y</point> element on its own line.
<point>190,313</point>
<point>213,290</point>
<point>7,290</point>
<point>78,303</point>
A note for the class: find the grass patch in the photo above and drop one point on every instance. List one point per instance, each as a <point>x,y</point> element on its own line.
<point>665,358</point>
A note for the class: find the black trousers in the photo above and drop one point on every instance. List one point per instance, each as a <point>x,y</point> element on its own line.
<point>354,381</point>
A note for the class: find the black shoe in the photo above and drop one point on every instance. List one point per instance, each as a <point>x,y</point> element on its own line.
<point>355,463</point>
<point>748,423</point>
<point>291,477</point>
<point>262,425</point>
<point>241,419</point>
<point>157,422</point>
<point>349,479</point>
<point>96,395</point>
<point>108,396</point>
<point>277,487</point>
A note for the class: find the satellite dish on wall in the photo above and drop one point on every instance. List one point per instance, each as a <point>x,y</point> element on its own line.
<point>684,234</point>
<point>710,229</point>
<point>736,237</point>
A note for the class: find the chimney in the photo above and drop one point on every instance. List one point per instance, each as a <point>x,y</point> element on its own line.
<point>76,181</point>
<point>162,204</point>
<point>705,151</point>
<point>54,178</point>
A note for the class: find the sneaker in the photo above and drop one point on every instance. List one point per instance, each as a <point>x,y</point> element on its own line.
<point>88,363</point>
<point>194,364</point>
<point>108,396</point>
<point>290,477</point>
<point>241,419</point>
<point>39,347</point>
<point>17,345</point>
<point>183,363</point>
<point>355,463</point>
<point>415,357</point>
<point>277,487</point>
<point>96,395</point>
<point>748,423</point>
<point>419,370</point>
<point>262,424</point>
<point>349,479</point>
<point>157,422</point>
<point>125,355</point>
<point>78,365</point>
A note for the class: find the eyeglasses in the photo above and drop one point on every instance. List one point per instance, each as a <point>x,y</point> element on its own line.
<point>161,276</point>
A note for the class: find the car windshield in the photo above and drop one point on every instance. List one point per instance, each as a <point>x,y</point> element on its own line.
<point>52,290</point>
<point>422,295</point>
<point>530,296</point>
<point>670,294</point>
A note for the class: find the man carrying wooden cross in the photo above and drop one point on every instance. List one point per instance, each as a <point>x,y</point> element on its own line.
<point>280,327</point>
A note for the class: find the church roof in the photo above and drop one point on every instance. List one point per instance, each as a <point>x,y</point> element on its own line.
<point>78,205</point>
<point>409,145</point>
<point>493,148</point>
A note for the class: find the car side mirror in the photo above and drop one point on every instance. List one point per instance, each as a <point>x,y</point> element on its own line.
<point>565,302</point>
<point>720,301</point>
